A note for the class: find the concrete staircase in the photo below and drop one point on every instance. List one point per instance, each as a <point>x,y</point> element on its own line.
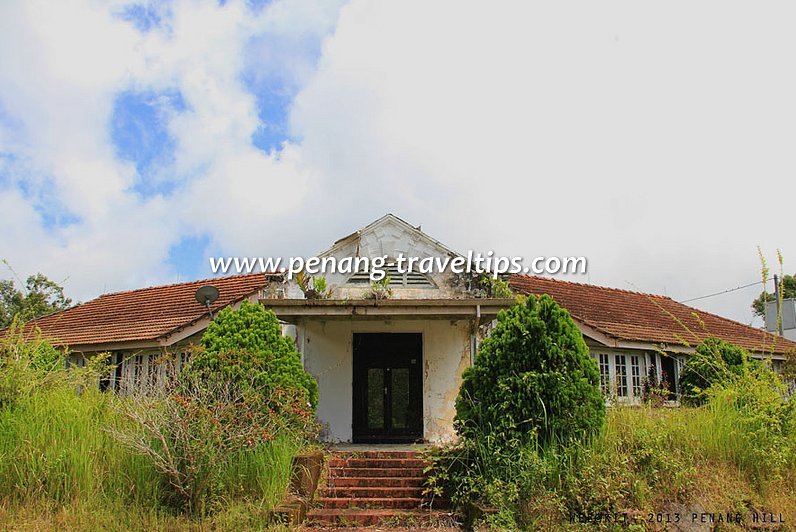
<point>376,488</point>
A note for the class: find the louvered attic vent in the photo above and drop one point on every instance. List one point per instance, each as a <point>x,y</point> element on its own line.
<point>406,280</point>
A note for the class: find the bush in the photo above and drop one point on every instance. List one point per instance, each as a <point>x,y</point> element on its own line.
<point>714,362</point>
<point>196,431</point>
<point>532,379</point>
<point>490,473</point>
<point>244,386</point>
<point>247,346</point>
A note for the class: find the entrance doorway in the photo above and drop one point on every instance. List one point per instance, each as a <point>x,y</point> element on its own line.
<point>388,387</point>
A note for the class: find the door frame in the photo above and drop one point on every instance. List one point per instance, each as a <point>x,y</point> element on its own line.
<point>359,431</point>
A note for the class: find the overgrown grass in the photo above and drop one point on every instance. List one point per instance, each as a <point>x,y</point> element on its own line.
<point>732,455</point>
<point>714,458</point>
<point>60,466</point>
<point>260,476</point>
<point>76,458</point>
<point>53,446</point>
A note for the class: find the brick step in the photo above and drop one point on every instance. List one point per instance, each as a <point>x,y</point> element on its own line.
<point>381,463</point>
<point>375,454</point>
<point>371,492</point>
<point>406,503</point>
<point>336,472</point>
<point>384,482</point>
<point>375,517</point>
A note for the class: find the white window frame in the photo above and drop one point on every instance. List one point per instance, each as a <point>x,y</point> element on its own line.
<point>633,393</point>
<point>638,372</point>
<point>604,366</point>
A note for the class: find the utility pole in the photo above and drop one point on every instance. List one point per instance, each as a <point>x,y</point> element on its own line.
<point>779,303</point>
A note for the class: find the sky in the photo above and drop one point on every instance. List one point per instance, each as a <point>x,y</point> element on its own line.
<point>137,139</point>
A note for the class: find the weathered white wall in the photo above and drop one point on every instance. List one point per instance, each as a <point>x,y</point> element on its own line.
<point>391,238</point>
<point>327,347</point>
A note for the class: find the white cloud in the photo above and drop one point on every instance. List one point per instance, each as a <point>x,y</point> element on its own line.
<point>646,138</point>
<point>63,67</point>
<point>653,139</point>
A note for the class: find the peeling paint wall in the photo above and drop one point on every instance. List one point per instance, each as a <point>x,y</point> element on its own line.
<point>327,348</point>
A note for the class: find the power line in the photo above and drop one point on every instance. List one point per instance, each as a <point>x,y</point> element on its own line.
<point>722,292</point>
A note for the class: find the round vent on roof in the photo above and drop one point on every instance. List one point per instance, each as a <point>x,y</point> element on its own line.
<point>206,295</point>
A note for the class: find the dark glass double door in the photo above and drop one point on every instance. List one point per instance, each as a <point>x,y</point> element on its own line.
<point>388,387</point>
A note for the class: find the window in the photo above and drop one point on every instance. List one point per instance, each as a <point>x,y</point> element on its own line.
<point>621,376</point>
<point>137,370</point>
<point>636,371</point>
<point>140,373</point>
<point>617,379</point>
<point>605,374</point>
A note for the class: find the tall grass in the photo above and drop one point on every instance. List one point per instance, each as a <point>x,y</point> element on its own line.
<point>262,474</point>
<point>53,445</point>
<point>58,461</point>
<point>725,455</point>
<point>63,466</point>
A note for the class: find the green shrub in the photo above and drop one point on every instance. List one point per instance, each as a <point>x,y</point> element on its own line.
<point>714,362</point>
<point>242,388</point>
<point>490,473</point>
<point>526,406</point>
<point>533,378</point>
<point>247,346</point>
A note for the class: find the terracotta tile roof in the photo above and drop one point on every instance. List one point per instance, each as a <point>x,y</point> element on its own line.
<point>633,316</point>
<point>145,314</point>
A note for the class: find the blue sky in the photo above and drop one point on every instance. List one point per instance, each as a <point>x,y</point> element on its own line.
<point>138,138</point>
<point>140,122</point>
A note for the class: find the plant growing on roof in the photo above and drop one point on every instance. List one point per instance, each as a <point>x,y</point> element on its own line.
<point>380,289</point>
<point>313,287</point>
<point>483,284</point>
<point>495,287</point>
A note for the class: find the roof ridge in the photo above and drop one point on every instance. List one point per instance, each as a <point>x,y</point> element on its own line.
<point>185,283</point>
<point>613,289</point>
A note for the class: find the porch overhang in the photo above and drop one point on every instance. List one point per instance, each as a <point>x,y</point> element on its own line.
<point>481,309</point>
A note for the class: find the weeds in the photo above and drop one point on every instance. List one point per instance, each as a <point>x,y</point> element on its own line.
<point>61,466</point>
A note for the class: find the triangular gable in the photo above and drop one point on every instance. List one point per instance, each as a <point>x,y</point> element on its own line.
<point>389,235</point>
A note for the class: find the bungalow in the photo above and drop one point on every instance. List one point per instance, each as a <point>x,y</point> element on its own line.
<point>137,326</point>
<point>389,368</point>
